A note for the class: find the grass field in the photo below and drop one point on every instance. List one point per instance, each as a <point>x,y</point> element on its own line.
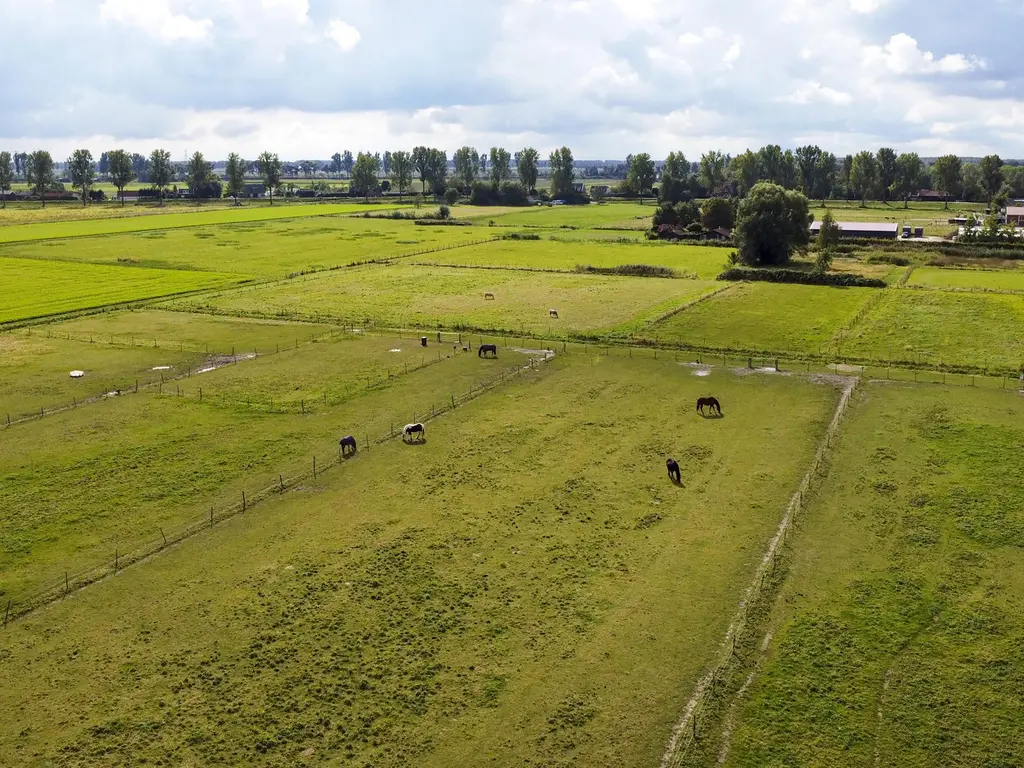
<point>932,327</point>
<point>411,296</point>
<point>625,215</point>
<point>932,216</point>
<point>259,248</point>
<point>897,636</point>
<point>199,217</point>
<point>34,213</point>
<point>985,280</point>
<point>110,474</point>
<point>690,260</point>
<point>766,317</point>
<point>525,587</point>
<point>36,288</point>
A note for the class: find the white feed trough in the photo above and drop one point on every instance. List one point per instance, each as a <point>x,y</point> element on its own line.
<point>77,374</point>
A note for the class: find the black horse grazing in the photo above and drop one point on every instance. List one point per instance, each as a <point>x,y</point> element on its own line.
<point>484,349</point>
<point>673,471</point>
<point>346,443</point>
<point>709,402</point>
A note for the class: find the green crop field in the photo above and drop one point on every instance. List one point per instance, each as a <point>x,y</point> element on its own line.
<point>259,248</point>
<point>896,640</point>
<point>523,587</point>
<point>625,215</point>
<point>34,213</point>
<point>690,260</point>
<point>936,328</point>
<point>767,317</point>
<point>1008,280</point>
<point>33,288</point>
<point>199,217</point>
<point>411,296</point>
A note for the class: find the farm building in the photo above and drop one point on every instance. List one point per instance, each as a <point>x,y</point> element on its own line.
<point>877,230</point>
<point>1015,215</point>
<point>928,196</point>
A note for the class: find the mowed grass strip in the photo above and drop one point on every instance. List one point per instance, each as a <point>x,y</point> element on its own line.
<point>34,288</point>
<point>1009,280</point>
<point>108,226</point>
<point>81,484</point>
<point>524,586</point>
<point>935,328</point>
<point>766,317</point>
<point>430,297</point>
<point>259,248</point>
<point>897,637</point>
<point>706,262</point>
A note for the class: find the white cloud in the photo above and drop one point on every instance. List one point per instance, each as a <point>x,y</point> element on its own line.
<point>156,18</point>
<point>866,6</point>
<point>343,34</point>
<point>902,56</point>
<point>732,54</point>
<point>816,93</point>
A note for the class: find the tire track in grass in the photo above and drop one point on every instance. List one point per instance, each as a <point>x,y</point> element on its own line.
<point>683,735</point>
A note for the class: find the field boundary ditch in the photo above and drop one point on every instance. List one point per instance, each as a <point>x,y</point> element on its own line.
<point>121,560</point>
<point>710,691</point>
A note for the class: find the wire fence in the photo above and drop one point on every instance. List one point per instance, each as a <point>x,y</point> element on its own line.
<point>292,478</point>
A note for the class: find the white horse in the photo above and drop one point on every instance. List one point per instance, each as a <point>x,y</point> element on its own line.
<point>413,430</point>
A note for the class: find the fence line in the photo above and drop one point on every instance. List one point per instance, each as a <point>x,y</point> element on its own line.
<point>122,559</point>
<point>686,733</point>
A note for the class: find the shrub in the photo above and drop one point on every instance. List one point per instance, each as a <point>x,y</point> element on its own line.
<point>889,258</point>
<point>829,234</point>
<point>717,213</point>
<point>451,196</point>
<point>841,279</point>
<point>520,236</point>
<point>824,261</point>
<point>630,270</point>
<point>444,212</point>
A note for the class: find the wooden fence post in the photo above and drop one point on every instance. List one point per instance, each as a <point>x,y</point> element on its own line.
<point>314,467</point>
<point>164,535</point>
<point>243,501</point>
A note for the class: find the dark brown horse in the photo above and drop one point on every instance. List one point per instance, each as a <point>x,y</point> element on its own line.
<point>711,403</point>
<point>347,443</point>
<point>487,349</point>
<point>673,471</point>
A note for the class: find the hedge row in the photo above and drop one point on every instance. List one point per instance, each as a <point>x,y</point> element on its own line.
<point>841,279</point>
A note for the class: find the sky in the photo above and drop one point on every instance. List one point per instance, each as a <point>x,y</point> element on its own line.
<point>307,78</point>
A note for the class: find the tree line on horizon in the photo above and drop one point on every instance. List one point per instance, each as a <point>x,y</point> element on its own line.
<point>499,176</point>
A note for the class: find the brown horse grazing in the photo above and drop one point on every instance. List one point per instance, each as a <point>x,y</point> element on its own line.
<point>346,443</point>
<point>673,471</point>
<point>487,349</point>
<point>709,402</point>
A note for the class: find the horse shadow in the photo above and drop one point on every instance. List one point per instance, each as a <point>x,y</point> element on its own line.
<point>711,415</point>
<point>676,483</point>
<point>349,455</point>
<point>418,441</point>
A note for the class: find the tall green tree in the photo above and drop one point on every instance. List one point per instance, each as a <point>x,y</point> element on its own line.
<point>401,171</point>
<point>772,223</point>
<point>972,183</point>
<point>825,176</point>
<point>863,175</point>
<point>908,176</point>
<point>501,165</point>
<point>808,159</point>
<point>745,170</point>
<point>160,170</point>
<point>336,163</point>
<point>886,163</point>
<point>770,161</point>
<point>121,170</point>
<point>562,172</point>
<point>197,174</point>
<point>437,170</point>
<point>675,174</point>
<point>991,167</point>
<point>845,171</point>
<point>717,213</point>
<point>269,166</point>
<point>82,171</point>
<point>421,161</point>
<point>364,174</point>
<point>386,159</point>
<point>104,163</point>
<point>947,173</point>
<point>39,173</point>
<point>526,166</point>
<point>714,167</point>
<point>347,162</point>
<point>6,175</point>
<point>234,171</point>
<point>467,165</point>
<point>641,176</point>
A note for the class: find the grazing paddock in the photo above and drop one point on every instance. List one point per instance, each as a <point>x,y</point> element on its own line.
<point>259,248</point>
<point>767,317</point>
<point>934,328</point>
<point>896,639</point>
<point>81,484</point>
<point>705,262</point>
<point>32,288</point>
<point>172,220</point>
<point>1008,280</point>
<point>627,215</point>
<point>431,297</point>
<point>526,586</point>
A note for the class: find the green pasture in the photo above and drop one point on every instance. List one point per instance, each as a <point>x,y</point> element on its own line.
<point>198,217</point>
<point>453,298</point>
<point>935,328</point>
<point>688,260</point>
<point>259,248</point>
<point>1008,280</point>
<point>67,211</point>
<point>117,349</point>
<point>34,288</point>
<point>766,317</point>
<point>896,638</point>
<point>932,216</point>
<point>525,587</point>
<point>624,215</point>
<point>80,484</point>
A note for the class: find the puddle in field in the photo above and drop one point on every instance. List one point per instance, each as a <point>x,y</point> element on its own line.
<point>704,372</point>
<point>396,350</point>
